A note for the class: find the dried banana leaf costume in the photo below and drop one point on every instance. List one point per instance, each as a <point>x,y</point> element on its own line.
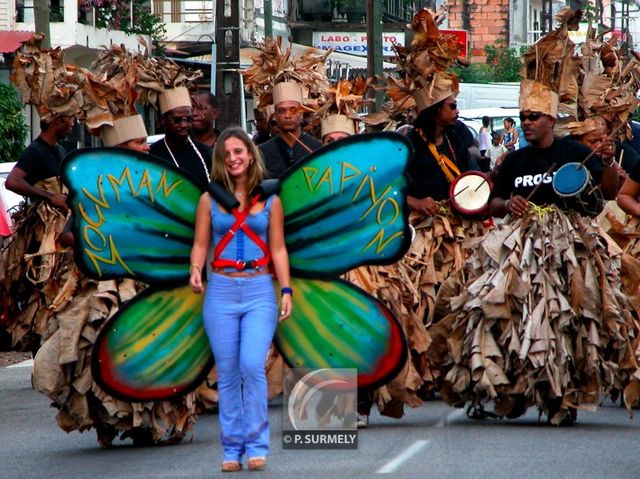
<point>438,251</point>
<point>540,320</point>
<point>34,272</point>
<point>66,310</point>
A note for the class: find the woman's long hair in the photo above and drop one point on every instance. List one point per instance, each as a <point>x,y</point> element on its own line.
<point>219,171</point>
<point>427,121</point>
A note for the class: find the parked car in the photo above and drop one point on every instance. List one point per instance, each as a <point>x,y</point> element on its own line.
<point>9,199</point>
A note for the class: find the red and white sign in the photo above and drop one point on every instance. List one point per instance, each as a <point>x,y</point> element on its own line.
<point>463,39</point>
<point>355,43</point>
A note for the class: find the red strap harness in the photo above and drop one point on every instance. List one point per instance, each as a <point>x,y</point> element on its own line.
<point>241,216</point>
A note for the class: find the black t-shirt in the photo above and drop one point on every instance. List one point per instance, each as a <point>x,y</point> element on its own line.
<point>278,156</point>
<point>426,176</point>
<point>523,169</point>
<point>40,161</point>
<point>187,158</point>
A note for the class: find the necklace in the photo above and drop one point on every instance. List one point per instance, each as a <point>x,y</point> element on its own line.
<point>194,149</point>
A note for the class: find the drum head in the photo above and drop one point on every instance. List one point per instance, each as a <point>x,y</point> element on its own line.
<point>570,180</point>
<point>470,193</point>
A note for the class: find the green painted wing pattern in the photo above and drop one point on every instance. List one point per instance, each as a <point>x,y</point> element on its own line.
<point>337,325</point>
<point>153,348</point>
<point>345,205</point>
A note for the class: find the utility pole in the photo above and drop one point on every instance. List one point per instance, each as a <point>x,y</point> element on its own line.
<point>229,90</point>
<point>268,19</point>
<point>41,17</point>
<point>374,46</point>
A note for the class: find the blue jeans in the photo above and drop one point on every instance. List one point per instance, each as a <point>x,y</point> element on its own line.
<point>240,317</point>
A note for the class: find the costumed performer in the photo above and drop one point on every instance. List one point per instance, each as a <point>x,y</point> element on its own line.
<point>409,287</point>
<point>32,256</point>
<point>244,226</point>
<point>608,84</point>
<point>62,367</point>
<point>278,79</point>
<point>541,319</point>
<point>176,117</point>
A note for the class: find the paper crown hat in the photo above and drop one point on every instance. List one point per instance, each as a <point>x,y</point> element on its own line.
<point>335,123</point>
<point>123,130</point>
<point>441,88</point>
<point>536,96</point>
<point>173,98</point>
<point>287,91</point>
<point>278,75</point>
<point>338,107</point>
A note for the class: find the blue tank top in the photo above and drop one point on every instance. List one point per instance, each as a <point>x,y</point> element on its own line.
<point>240,248</point>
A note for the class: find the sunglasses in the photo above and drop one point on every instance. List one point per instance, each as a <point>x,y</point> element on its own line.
<point>535,116</point>
<point>453,106</point>
<point>176,120</point>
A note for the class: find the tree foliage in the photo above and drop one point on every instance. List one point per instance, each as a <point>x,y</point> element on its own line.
<point>13,128</point>
<point>503,65</point>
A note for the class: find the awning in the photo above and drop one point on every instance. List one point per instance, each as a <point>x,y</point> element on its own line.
<point>11,40</point>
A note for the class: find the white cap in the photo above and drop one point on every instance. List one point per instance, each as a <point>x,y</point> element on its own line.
<point>174,98</point>
<point>123,129</point>
<point>287,91</point>
<point>333,123</point>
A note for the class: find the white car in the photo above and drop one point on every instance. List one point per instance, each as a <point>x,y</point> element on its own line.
<point>9,199</point>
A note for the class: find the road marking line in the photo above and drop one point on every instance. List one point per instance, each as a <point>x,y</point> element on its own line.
<point>397,461</point>
<point>24,364</point>
<point>450,417</point>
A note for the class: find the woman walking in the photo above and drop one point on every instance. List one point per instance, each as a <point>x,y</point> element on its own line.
<point>510,134</point>
<point>243,224</point>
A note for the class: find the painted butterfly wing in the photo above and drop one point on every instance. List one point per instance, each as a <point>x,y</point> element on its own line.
<point>345,205</point>
<point>154,348</point>
<point>335,324</point>
<point>133,214</point>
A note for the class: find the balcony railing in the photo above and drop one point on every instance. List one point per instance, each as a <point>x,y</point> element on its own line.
<point>184,11</point>
<point>326,11</point>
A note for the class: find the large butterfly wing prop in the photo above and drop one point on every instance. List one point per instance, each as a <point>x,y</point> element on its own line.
<point>133,216</point>
<point>345,206</point>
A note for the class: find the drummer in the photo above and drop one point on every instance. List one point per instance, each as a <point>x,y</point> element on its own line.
<point>529,171</point>
<point>440,153</point>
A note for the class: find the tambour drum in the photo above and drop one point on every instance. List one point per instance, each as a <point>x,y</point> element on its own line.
<point>470,192</point>
<point>571,180</point>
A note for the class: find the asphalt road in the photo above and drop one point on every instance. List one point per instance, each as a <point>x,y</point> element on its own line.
<point>433,441</point>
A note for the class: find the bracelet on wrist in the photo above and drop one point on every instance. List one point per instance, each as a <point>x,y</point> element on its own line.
<point>506,204</point>
<point>193,265</point>
<point>285,290</point>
